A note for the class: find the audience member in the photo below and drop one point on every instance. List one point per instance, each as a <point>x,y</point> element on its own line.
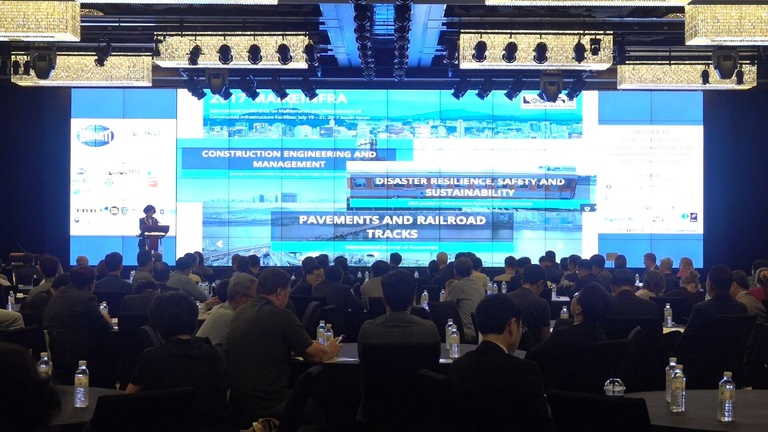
<point>446,273</point>
<point>28,402</point>
<point>323,260</point>
<point>670,280</point>
<point>261,339</point>
<point>689,289</point>
<point>50,268</point>
<point>653,285</point>
<point>394,260</point>
<point>509,270</point>
<point>372,287</point>
<point>553,259</point>
<point>157,257</point>
<point>342,262</point>
<point>563,264</point>
<point>620,262</point>
<point>466,293</point>
<point>740,292</point>
<point>433,268</point>
<point>477,267</point>
<point>504,392</point>
<point>193,259</point>
<point>113,288</point>
<point>101,270</point>
<point>28,273</point>
<point>81,260</point>
<point>442,259</point>
<point>143,267</point>
<point>180,280</point>
<point>686,265</point>
<point>761,284</point>
<point>161,272</point>
<point>254,265</point>
<point>313,275</point>
<point>138,302</point>
<point>624,302</point>
<point>306,263</point>
<point>39,302</point>
<point>184,361</point>
<point>205,273</point>
<point>240,290</point>
<point>515,282</point>
<point>649,262</point>
<point>586,277</point>
<point>553,275</point>
<point>398,326</point>
<point>598,269</point>
<point>10,320</point>
<point>337,294</point>
<point>535,309</point>
<point>756,265</point>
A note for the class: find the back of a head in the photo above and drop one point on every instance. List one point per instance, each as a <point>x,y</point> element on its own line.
<point>654,281</point>
<point>145,285</point>
<point>692,277</point>
<point>37,400</point>
<point>191,257</point>
<point>761,277</point>
<point>239,283</point>
<point>523,262</point>
<point>395,259</point>
<point>143,258</point>
<point>173,314</point>
<point>433,267</point>
<point>334,273</point>
<point>113,261</point>
<point>597,261</point>
<point>49,266</point>
<point>584,264</point>
<point>161,271</point>
<point>459,255</point>
<point>720,279</point>
<point>235,258</point>
<point>82,277</point>
<point>441,258</point>
<point>494,312</point>
<point>399,288</point>
<point>200,258</point>
<point>623,278</point>
<point>533,274</point>
<point>544,260</point>
<point>306,263</point>
<point>81,260</point>
<point>594,302</point>
<point>620,262</point>
<point>574,259</point>
<point>551,255</point>
<point>379,268</point>
<point>463,267</point>
<point>665,265</point>
<point>61,281</point>
<point>758,264</point>
<point>254,261</point>
<point>183,264</point>
<point>323,260</point>
<point>342,262</point>
<point>650,256</point>
<point>477,263</point>
<point>157,257</point>
<point>563,263</point>
<point>271,281</point>
<point>740,279</point>
<point>510,262</point>
<point>27,258</point>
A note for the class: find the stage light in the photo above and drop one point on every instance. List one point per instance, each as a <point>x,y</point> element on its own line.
<point>550,87</point>
<point>575,89</point>
<point>478,54</point>
<point>579,51</point>
<point>193,87</point>
<point>515,88</point>
<point>462,87</point>
<point>156,50</point>
<point>725,62</point>
<point>594,46</point>
<point>362,29</point>
<point>284,56</point>
<point>740,76</point>
<point>26,69</point>
<point>402,14</point>
<point>102,54</point>
<point>226,93</point>
<point>678,76</point>
<point>369,73</point>
<point>510,53</point>
<point>307,88</point>
<point>362,18</point>
<point>15,67</point>
<point>310,51</point>
<point>540,53</point>
<point>254,54</point>
<point>277,87</point>
<point>225,54</point>
<point>619,53</point>
<point>402,30</point>
<point>248,86</point>
<point>194,55</point>
<point>451,52</point>
<point>705,76</point>
<point>217,81</point>
<point>485,88</point>
<point>43,62</point>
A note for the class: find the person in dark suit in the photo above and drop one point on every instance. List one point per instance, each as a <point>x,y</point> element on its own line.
<point>670,280</point>
<point>689,290</point>
<point>338,295</point>
<point>138,303</point>
<point>28,273</point>
<point>446,272</point>
<point>113,288</point>
<point>598,269</point>
<point>625,303</point>
<point>586,277</point>
<point>558,357</point>
<point>147,221</point>
<point>505,393</point>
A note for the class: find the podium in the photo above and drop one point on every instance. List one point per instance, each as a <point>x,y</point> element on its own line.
<point>152,235</point>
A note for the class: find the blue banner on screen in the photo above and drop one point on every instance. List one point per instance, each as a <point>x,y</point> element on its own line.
<point>364,173</point>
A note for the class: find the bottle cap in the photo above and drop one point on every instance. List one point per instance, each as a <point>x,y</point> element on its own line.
<point>43,354</point>
<point>450,320</point>
<point>322,321</point>
<point>679,367</point>
<point>81,363</point>
<point>668,305</point>
<point>727,374</point>
<point>673,359</point>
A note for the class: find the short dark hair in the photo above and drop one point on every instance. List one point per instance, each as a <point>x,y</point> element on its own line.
<point>594,301</point>
<point>242,264</point>
<point>654,281</point>
<point>82,277</point>
<point>113,261</point>
<point>254,261</point>
<point>272,280</point>
<point>598,261</point>
<point>551,255</point>
<point>758,264</point>
<point>306,262</point>
<point>342,262</point>
<point>173,314</point>
<point>157,257</point>
<point>395,258</point>
<point>235,258</point>
<point>533,274</point>
<point>563,263</point>
<point>720,278</point>
<point>149,208</point>
<point>200,257</point>
<point>433,267</point>
<point>510,262</point>
<point>161,271</point>
<point>620,262</point>
<point>623,277</point>
<point>651,257</point>
<point>584,264</point>
<point>144,285</point>
<point>183,264</point>
<point>494,312</point>
<point>61,280</point>
<point>463,267</point>
<point>334,273</point>
<point>741,279</point>
<point>477,263</point>
<point>574,259</point>
<point>523,262</point>
<point>459,255</point>
<point>544,258</point>
<point>379,268</point>
<point>323,260</point>
<point>143,258</point>
<point>399,289</point>
<point>49,265</point>
<point>192,257</point>
<point>27,258</point>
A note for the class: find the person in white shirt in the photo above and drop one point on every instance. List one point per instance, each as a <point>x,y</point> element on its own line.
<point>241,290</point>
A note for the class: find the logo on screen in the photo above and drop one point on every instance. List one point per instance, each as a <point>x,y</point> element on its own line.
<point>95,136</point>
<point>114,210</point>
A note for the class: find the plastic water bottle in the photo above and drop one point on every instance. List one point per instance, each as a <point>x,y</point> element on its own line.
<point>448,329</point>
<point>614,387</point>
<point>201,308</point>
<point>11,301</point>
<point>503,287</point>
<point>489,288</point>
<point>637,279</point>
<point>442,295</point>
<point>564,313</point>
<point>494,288</point>
<point>359,275</point>
<point>726,397</point>
<point>133,274</point>
<point>668,372</point>
<point>455,351</point>
<point>367,276</point>
<point>425,300</point>
<point>45,367</point>
<point>416,274</point>
<point>293,278</point>
<point>321,332</point>
<point>668,315</point>
<point>328,334</point>
<point>81,385</point>
<point>104,310</point>
<point>677,396</point>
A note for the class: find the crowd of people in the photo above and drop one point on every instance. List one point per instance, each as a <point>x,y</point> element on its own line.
<point>239,359</point>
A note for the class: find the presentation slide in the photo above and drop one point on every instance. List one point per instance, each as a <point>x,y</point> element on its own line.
<point>364,173</point>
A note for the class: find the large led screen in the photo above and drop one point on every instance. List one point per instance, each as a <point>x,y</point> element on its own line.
<point>363,173</point>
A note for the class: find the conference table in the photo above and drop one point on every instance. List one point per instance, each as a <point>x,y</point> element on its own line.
<point>701,411</point>
<point>74,419</point>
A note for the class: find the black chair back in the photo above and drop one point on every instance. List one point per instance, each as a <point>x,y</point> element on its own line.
<point>441,312</point>
<point>130,345</point>
<point>163,410</point>
<point>433,291</point>
<point>300,303</point>
<point>376,307</point>
<point>579,412</point>
<point>731,334</point>
<point>421,313</point>
<point>31,318</point>
<point>300,393</point>
<point>756,359</point>
<point>31,338</point>
<point>600,361</point>
<point>311,317</point>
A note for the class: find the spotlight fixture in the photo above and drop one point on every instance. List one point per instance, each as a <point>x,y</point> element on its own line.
<point>399,74</point>
<point>26,69</point>
<point>43,62</point>
<point>462,87</point>
<point>156,51</point>
<point>594,46</point>
<point>402,30</point>
<point>485,88</point>
<point>310,51</point>
<point>193,87</point>
<point>254,54</point>
<point>226,93</point>
<point>540,53</point>
<point>225,54</point>
<point>217,81</point>
<point>451,52</point>
<point>619,53</point>
<point>478,54</point>
<point>102,54</point>
<point>194,55</point>
<point>277,87</point>
<point>575,89</point>
<point>15,67</point>
<point>307,88</point>
<point>705,76</point>
<point>510,52</point>
<point>579,51</point>
<point>550,87</point>
<point>725,62</point>
<point>369,73</point>
<point>284,56</point>
<point>514,89</point>
<point>739,76</point>
<point>247,85</point>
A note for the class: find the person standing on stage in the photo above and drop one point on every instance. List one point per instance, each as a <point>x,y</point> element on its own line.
<point>146,221</point>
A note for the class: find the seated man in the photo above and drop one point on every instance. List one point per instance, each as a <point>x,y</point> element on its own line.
<point>398,326</point>
<point>261,339</point>
<point>144,267</point>
<point>535,309</point>
<point>39,400</point>
<point>624,302</point>
<point>338,295</point>
<point>240,290</point>
<point>138,302</point>
<point>179,279</point>
<point>28,273</point>
<point>372,287</point>
<point>740,292</point>
<point>183,361</point>
<point>113,288</point>
<point>509,270</point>
<point>39,302</point>
<point>50,268</point>
<point>584,271</point>
<point>466,292</point>
<point>598,269</point>
<point>313,274</point>
<point>508,391</point>
<point>10,320</point>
